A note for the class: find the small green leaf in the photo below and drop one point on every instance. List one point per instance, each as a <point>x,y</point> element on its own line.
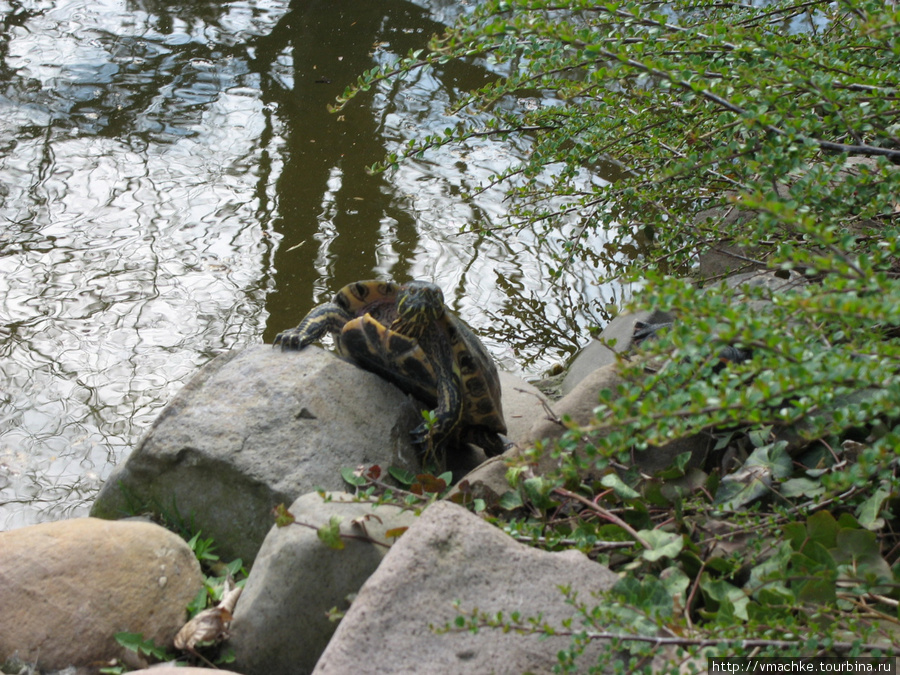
<point>859,553</point>
<point>801,487</point>
<point>812,581</point>
<point>283,517</point>
<point>612,480</point>
<point>330,533</point>
<point>822,528</point>
<point>402,476</point>
<point>868,511</point>
<point>538,490</point>
<point>724,596</point>
<point>510,500</point>
<point>664,544</point>
<point>350,476</point>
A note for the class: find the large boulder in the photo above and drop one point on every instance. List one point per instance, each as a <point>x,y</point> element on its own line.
<point>281,623</point>
<point>256,428</point>
<point>260,427</point>
<point>66,589</point>
<point>449,556</point>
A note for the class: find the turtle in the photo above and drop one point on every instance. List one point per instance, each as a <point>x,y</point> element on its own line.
<point>406,334</point>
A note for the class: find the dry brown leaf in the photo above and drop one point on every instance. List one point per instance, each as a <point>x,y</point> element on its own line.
<point>210,625</point>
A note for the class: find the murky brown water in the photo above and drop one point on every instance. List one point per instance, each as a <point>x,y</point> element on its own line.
<point>172,187</point>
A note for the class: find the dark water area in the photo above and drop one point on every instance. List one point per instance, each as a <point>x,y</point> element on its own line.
<point>172,187</point>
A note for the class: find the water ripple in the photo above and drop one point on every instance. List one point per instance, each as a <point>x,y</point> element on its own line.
<point>133,248</point>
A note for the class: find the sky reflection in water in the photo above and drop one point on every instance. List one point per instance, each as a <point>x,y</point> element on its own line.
<point>171,187</point>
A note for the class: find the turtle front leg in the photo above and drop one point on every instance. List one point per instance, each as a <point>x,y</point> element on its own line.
<point>325,318</point>
<point>429,436</point>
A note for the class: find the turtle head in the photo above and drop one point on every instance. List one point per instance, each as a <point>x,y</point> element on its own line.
<point>419,305</point>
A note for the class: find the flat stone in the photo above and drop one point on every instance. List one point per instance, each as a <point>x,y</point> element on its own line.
<point>450,555</point>
<point>281,623</point>
<point>615,339</point>
<point>66,589</point>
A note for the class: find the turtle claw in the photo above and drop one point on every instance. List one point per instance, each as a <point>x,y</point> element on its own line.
<point>289,339</point>
<point>421,440</point>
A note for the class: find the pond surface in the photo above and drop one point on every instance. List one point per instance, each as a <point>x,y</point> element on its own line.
<point>172,187</point>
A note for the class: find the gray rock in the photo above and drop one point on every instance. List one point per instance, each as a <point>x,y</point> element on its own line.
<point>450,555</point>
<point>547,427</point>
<point>522,404</point>
<point>280,624</point>
<point>765,279</point>
<point>489,477</point>
<point>583,383</point>
<point>578,407</point>
<point>256,428</point>
<point>598,354</point>
<point>66,589</point>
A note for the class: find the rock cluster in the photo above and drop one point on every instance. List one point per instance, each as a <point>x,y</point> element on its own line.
<point>255,429</point>
<point>259,428</point>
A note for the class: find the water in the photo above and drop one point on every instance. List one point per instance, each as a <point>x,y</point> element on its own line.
<point>172,187</point>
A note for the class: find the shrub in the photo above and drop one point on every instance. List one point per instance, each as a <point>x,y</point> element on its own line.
<point>768,131</point>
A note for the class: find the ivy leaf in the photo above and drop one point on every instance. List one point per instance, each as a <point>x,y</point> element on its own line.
<point>510,500</point>
<point>755,478</point>
<point>822,528</point>
<point>801,487</point>
<point>724,597</point>
<point>538,490</point>
<point>330,533</point>
<point>768,576</point>
<point>868,511</point>
<point>649,595</point>
<point>859,554</point>
<point>402,476</point>
<point>351,476</point>
<point>814,577</point>
<point>283,517</point>
<point>663,544</point>
<point>612,480</point>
